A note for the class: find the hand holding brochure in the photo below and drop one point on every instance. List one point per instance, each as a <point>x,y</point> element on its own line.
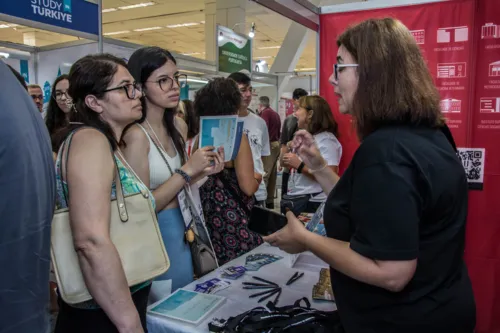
<point>222,131</point>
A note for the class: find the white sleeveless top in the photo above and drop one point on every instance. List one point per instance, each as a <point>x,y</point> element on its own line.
<point>158,170</point>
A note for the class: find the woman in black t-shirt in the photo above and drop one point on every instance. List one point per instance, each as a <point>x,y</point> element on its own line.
<point>395,220</point>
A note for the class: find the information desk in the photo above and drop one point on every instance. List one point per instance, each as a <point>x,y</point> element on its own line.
<point>237,300</point>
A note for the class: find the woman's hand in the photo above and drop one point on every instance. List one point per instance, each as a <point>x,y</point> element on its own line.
<point>291,238</point>
<point>217,166</point>
<point>291,161</point>
<point>303,143</point>
<point>258,177</point>
<point>200,160</point>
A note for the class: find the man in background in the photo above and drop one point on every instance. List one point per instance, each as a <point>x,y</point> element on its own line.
<point>256,130</point>
<point>287,133</point>
<point>36,94</point>
<point>27,201</point>
<point>273,123</point>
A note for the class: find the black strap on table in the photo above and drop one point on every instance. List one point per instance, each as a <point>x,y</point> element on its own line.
<point>293,318</point>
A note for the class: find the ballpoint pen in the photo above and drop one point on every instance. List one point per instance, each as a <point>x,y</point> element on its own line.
<point>269,295</point>
<point>271,291</point>
<point>259,287</point>
<point>296,278</point>
<point>290,281</point>
<point>262,280</point>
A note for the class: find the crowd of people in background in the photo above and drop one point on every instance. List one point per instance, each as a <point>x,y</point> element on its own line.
<point>395,219</point>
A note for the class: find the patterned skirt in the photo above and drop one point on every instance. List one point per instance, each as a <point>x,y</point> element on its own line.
<point>227,221</point>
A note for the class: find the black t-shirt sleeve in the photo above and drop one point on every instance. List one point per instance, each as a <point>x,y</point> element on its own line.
<point>386,209</point>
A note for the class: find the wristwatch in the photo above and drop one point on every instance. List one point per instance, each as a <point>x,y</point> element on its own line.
<point>301,166</point>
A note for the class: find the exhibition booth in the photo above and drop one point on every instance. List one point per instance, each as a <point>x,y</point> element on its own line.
<point>460,40</point>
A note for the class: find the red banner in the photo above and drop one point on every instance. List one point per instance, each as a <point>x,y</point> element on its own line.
<point>460,40</point>
<point>444,33</point>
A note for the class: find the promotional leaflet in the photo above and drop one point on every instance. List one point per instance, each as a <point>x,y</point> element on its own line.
<point>222,131</point>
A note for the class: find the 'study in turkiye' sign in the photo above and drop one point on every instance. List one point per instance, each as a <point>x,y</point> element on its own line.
<point>234,51</point>
<point>78,15</point>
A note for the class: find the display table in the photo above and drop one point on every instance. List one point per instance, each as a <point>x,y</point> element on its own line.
<point>237,300</point>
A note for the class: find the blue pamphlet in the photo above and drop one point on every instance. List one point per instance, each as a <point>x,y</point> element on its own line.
<point>222,131</point>
<point>187,306</point>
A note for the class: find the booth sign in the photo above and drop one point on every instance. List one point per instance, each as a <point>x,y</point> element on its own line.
<point>77,15</point>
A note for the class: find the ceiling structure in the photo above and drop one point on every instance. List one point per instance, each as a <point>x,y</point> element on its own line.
<point>177,26</point>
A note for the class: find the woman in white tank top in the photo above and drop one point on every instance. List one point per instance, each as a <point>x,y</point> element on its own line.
<point>155,150</point>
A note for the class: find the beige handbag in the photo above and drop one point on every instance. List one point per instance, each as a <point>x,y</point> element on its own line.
<point>134,231</point>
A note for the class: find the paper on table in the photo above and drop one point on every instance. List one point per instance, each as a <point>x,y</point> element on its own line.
<point>222,131</point>
<point>187,306</point>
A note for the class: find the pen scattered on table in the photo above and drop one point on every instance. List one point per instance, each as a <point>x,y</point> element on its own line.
<point>294,278</point>
<point>272,289</point>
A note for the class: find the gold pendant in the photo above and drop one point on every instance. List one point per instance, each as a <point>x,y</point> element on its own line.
<point>190,235</point>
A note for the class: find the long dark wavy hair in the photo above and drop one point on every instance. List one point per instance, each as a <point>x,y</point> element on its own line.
<point>56,118</point>
<point>141,64</point>
<point>90,75</point>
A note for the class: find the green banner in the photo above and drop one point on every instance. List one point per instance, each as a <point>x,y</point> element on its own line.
<point>235,51</point>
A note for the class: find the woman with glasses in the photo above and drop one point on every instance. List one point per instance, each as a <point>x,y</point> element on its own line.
<point>395,220</point>
<point>105,101</point>
<point>58,109</point>
<point>155,148</point>
<point>313,115</point>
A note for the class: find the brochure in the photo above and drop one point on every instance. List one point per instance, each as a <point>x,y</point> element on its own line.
<point>316,224</point>
<point>222,131</point>
<point>187,306</point>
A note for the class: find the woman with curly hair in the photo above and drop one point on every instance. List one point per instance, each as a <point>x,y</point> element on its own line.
<point>227,197</point>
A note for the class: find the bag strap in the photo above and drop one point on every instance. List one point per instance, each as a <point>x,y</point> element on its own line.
<point>120,199</point>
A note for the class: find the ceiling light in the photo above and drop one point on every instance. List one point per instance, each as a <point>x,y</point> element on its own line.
<point>192,53</point>
<point>4,26</point>
<point>4,55</point>
<point>265,57</point>
<point>139,5</point>
<point>220,38</point>
<point>109,10</point>
<point>189,24</point>
<point>202,22</point>
<point>251,34</point>
<point>306,69</point>
<point>147,29</point>
<point>198,81</point>
<point>116,33</point>
<point>269,47</point>
<point>192,72</point>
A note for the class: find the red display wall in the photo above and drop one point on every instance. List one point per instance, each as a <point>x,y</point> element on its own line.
<point>460,40</point>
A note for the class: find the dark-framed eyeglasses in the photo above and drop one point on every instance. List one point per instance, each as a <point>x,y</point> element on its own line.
<point>166,83</point>
<point>37,97</point>
<point>338,68</point>
<point>59,95</point>
<point>130,89</point>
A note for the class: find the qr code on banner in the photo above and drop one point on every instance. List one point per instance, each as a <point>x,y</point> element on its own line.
<point>473,162</point>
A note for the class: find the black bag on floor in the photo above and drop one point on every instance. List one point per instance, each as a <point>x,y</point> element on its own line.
<point>291,319</point>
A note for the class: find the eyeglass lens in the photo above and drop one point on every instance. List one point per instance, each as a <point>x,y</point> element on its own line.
<point>167,82</point>
<point>60,94</point>
<point>131,89</point>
